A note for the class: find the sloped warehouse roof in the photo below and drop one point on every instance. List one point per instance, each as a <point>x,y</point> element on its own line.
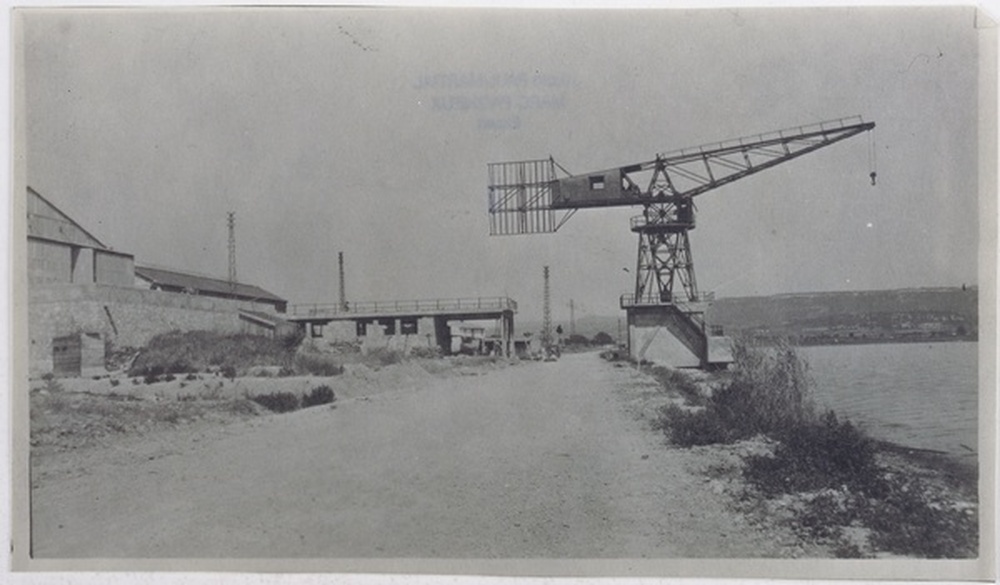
<point>174,280</point>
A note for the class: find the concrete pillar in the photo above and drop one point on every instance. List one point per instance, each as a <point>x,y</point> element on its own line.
<point>442,334</point>
<point>508,334</point>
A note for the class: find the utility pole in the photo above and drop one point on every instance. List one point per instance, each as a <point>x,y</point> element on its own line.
<point>340,271</point>
<point>231,221</point>
<point>572,319</point>
<point>546,314</point>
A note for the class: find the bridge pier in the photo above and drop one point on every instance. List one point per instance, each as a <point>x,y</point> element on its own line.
<point>442,334</point>
<point>507,333</point>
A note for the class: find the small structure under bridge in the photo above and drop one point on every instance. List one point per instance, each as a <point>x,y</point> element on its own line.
<point>404,317</point>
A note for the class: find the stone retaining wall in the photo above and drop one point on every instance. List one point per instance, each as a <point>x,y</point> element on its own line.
<point>128,317</point>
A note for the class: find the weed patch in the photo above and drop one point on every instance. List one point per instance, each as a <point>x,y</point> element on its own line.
<point>680,382</point>
<point>826,454</point>
<point>318,395</point>
<point>421,352</point>
<point>317,364</point>
<point>382,356</point>
<point>278,401</point>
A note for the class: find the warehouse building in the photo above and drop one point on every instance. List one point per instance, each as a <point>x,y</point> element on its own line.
<point>84,298</point>
<point>195,284</point>
<point>61,251</point>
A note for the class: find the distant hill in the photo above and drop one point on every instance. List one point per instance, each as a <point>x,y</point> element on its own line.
<point>902,314</point>
<point>829,317</point>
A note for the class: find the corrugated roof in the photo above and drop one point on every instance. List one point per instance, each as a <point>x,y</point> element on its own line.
<point>195,282</point>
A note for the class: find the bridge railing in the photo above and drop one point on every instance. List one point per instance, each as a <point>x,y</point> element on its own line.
<point>425,306</point>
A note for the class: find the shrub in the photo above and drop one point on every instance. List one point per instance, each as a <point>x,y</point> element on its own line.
<point>689,428</point>
<point>290,340</point>
<point>382,356</point>
<point>228,371</point>
<point>768,393</point>
<point>602,338</point>
<point>813,456</point>
<point>278,401</point>
<point>114,382</point>
<point>318,395</point>
<point>681,382</point>
<point>317,364</point>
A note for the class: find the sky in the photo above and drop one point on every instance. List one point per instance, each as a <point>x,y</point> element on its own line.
<point>368,131</point>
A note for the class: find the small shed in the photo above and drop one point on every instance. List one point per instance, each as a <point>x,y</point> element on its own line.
<point>80,354</point>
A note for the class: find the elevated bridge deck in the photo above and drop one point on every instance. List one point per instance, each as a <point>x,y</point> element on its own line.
<point>468,309</point>
<point>406,314</point>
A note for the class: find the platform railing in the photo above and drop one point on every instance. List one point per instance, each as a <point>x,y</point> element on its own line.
<point>630,300</point>
<point>426,306</point>
<point>641,223</point>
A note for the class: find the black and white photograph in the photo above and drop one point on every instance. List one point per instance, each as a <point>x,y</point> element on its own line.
<point>622,292</point>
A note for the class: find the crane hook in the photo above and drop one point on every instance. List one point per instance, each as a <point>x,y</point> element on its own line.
<point>872,163</point>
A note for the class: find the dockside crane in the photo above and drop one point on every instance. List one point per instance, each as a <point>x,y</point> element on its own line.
<point>539,196</point>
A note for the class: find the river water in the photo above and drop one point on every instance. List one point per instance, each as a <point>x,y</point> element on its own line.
<point>916,394</point>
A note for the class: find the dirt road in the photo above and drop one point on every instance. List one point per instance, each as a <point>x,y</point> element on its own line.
<point>534,460</point>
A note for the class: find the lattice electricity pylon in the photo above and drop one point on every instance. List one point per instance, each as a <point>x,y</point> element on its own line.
<point>526,197</point>
<point>546,311</point>
<point>231,223</point>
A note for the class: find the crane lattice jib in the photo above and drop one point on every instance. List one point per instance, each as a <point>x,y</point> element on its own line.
<point>525,196</point>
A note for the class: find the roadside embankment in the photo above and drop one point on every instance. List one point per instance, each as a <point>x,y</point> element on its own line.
<point>784,464</point>
<point>74,414</point>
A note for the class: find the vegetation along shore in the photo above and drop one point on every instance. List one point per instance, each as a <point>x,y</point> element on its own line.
<point>815,471</point>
